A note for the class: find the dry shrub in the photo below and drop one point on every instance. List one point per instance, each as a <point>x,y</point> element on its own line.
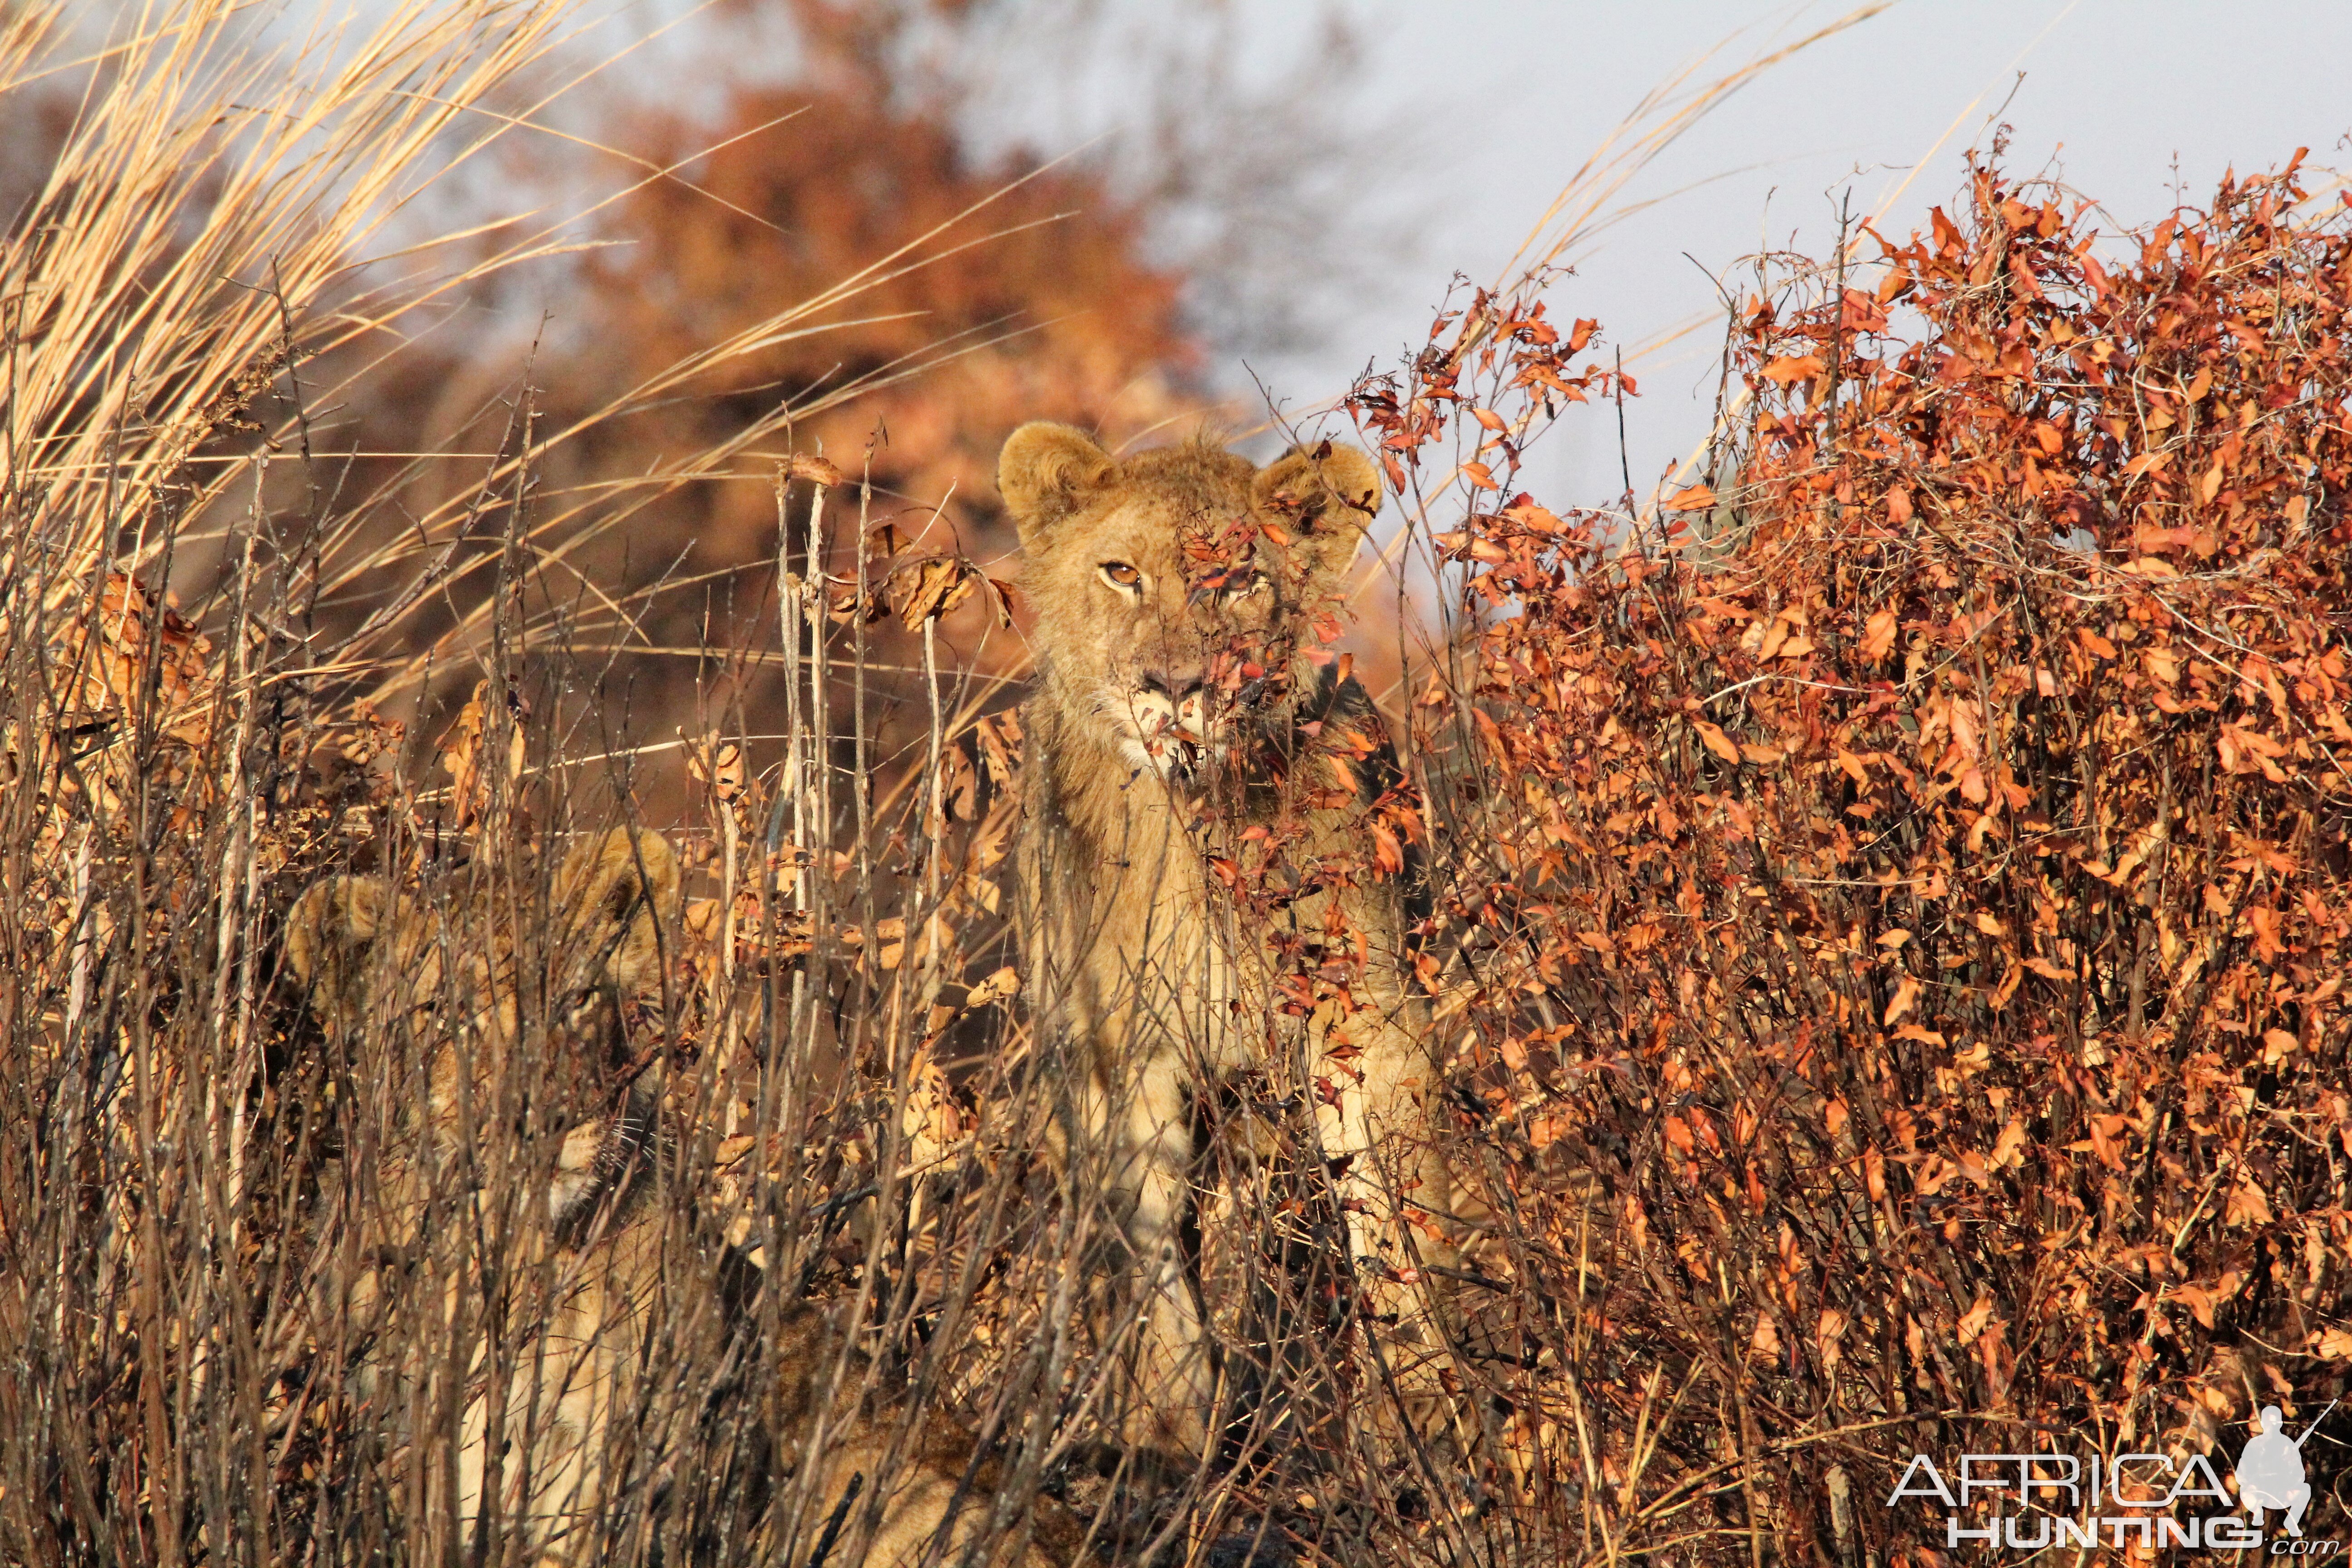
<point>1903,881</point>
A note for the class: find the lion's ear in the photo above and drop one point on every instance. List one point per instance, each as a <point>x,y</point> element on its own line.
<point>1046,473</point>
<point>1329,492</point>
<point>329,935</point>
<point>615,893</point>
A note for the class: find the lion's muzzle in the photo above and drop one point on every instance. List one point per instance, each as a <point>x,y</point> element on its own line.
<point>1172,727</point>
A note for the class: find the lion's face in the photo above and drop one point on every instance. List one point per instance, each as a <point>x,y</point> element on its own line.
<point>439,983</point>
<point>1176,591</point>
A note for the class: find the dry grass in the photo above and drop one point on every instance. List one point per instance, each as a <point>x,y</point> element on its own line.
<point>188,1379</point>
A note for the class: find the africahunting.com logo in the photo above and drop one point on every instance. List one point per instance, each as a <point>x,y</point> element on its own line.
<point>2129,1500</point>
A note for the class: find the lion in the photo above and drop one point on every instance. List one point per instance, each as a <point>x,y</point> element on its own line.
<point>1180,705</point>
<point>605,1305</point>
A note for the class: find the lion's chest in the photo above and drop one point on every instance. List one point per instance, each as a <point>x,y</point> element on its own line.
<point>1156,964</point>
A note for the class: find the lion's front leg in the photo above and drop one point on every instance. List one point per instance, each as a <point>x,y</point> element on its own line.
<point>1152,1152</point>
<point>1393,1187</point>
<point>560,1390</point>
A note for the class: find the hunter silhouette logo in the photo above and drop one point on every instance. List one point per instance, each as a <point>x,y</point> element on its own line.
<point>2150,1501</point>
<point>2270,1470</point>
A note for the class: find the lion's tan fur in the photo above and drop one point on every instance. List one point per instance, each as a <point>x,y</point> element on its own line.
<point>1182,567</point>
<point>433,999</point>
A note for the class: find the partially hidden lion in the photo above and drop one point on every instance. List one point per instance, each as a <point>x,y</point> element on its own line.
<point>517,1144</point>
<point>1177,709</point>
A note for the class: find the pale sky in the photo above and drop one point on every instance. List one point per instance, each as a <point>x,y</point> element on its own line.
<point>2136,104</point>
<point>2127,98</point>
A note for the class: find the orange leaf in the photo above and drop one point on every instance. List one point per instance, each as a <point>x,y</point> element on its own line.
<point>1878,635</point>
<point>1830,1334</point>
<point>1005,600</point>
<point>2201,1301</point>
<point>1695,497</point>
<point>2247,1205</point>
<point>930,588</point>
<point>1002,985</point>
<point>1973,1322</point>
<point>1716,740</point>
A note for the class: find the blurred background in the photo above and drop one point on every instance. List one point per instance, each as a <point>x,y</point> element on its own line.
<point>917,223</point>
<point>1266,196</point>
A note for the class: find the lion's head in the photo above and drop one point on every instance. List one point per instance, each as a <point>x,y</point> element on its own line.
<point>1176,590</point>
<point>442,982</point>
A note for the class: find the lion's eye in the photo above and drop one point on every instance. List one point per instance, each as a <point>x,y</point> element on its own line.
<point>1122,576</point>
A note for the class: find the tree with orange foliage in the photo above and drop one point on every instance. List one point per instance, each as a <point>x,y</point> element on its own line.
<point>1016,291</point>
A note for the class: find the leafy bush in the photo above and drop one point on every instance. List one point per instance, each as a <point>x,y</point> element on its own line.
<point>1902,879</point>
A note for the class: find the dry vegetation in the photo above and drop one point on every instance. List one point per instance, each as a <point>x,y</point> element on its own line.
<point>1885,913</point>
<point>1900,888</point>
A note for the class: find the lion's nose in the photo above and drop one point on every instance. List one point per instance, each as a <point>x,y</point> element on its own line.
<point>1186,697</point>
<point>1175,687</point>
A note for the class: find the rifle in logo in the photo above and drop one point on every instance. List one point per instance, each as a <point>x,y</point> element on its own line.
<point>2269,1469</point>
